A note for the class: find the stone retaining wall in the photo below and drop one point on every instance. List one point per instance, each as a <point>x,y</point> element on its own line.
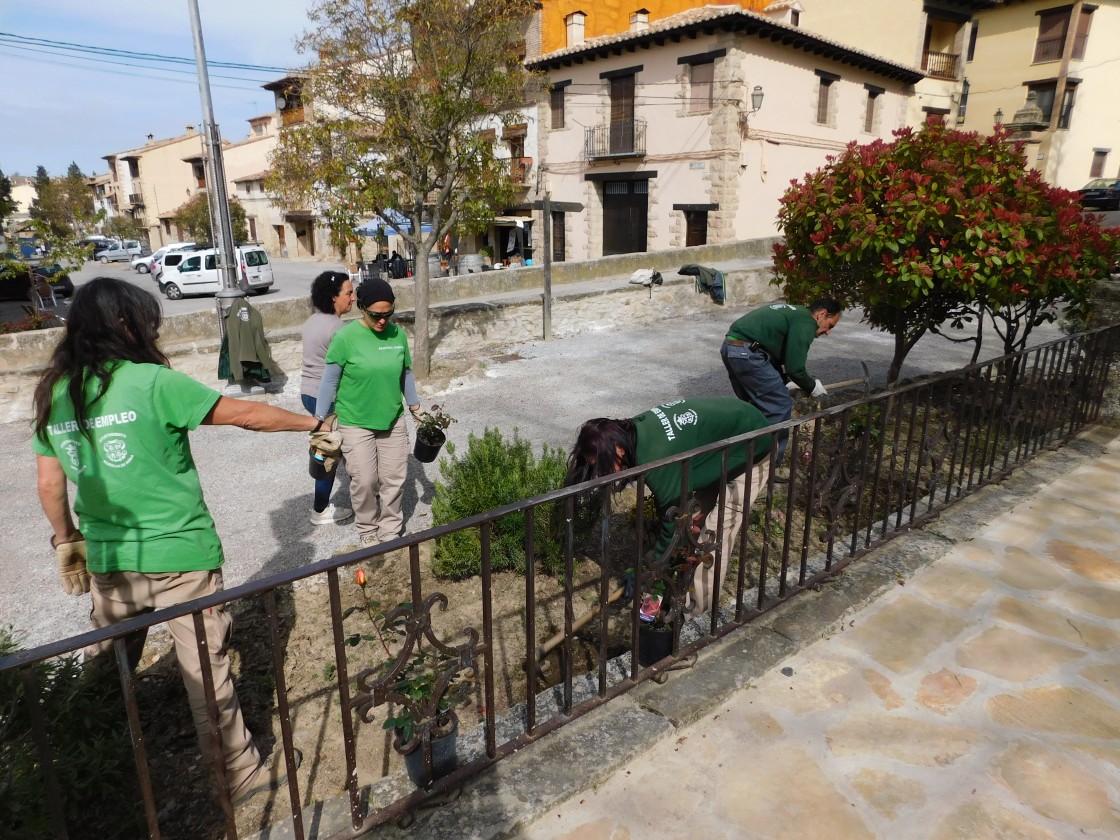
<point>191,339</point>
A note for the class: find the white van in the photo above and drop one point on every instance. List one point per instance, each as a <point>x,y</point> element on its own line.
<point>199,273</point>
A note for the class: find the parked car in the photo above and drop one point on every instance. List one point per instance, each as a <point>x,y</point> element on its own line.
<point>17,279</point>
<point>146,263</point>
<point>172,254</point>
<point>96,244</point>
<point>198,272</point>
<point>122,252</point>
<point>1101,192</point>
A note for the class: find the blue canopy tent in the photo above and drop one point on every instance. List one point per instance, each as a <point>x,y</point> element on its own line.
<point>401,223</point>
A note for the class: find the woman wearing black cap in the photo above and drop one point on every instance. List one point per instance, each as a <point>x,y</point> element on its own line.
<point>368,368</point>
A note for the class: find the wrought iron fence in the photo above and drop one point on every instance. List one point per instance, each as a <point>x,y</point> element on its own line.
<point>859,474</point>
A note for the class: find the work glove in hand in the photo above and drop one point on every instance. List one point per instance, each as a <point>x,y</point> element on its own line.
<point>327,439</point>
<point>819,390</point>
<point>792,386</point>
<point>72,566</point>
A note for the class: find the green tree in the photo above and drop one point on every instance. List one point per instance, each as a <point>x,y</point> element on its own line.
<point>936,227</point>
<point>401,94</point>
<point>124,227</point>
<point>193,217</point>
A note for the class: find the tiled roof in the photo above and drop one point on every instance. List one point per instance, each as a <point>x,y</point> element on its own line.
<point>732,18</point>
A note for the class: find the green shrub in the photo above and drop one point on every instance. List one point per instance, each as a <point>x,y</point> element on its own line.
<point>88,733</point>
<point>495,472</point>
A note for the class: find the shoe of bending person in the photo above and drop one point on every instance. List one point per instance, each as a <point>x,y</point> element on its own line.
<point>330,515</point>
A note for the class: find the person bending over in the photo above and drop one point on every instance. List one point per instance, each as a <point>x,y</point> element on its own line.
<point>604,446</point>
<point>765,353</point>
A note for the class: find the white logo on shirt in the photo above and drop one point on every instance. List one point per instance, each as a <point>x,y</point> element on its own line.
<point>114,450</point>
<point>686,418</point>
<point>72,448</point>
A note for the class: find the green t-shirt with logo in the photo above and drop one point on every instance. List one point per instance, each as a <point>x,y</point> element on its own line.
<point>373,364</point>
<point>138,499</point>
<point>676,427</point>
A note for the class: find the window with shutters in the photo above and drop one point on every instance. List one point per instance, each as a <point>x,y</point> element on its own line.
<point>700,82</point>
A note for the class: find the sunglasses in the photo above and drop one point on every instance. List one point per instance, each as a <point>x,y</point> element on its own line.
<point>380,316</point>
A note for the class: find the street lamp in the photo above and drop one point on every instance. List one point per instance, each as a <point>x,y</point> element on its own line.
<point>998,117</point>
<point>756,103</point>
<point>756,98</point>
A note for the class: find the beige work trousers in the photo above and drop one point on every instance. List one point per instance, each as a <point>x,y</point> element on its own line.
<point>704,583</point>
<point>120,595</point>
<point>378,464</point>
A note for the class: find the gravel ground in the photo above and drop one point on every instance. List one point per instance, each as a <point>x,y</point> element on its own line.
<point>259,492</point>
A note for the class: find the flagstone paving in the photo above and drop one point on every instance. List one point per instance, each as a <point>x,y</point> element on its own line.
<point>981,699</point>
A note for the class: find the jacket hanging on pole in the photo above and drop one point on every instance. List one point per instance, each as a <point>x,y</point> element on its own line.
<point>249,354</point>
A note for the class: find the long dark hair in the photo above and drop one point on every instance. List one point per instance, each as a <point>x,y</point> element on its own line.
<point>109,321</point>
<point>598,438</point>
<point>325,288</point>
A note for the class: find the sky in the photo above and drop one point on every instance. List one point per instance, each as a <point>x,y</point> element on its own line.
<point>58,107</point>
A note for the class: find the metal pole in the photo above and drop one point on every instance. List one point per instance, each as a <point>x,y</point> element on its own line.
<point>219,200</point>
<point>546,211</point>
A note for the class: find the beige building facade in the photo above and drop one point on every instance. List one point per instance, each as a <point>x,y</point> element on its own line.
<point>1067,56</point>
<point>982,59</point>
<point>689,131</point>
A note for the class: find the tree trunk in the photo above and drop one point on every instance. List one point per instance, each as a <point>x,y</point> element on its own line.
<point>421,345</point>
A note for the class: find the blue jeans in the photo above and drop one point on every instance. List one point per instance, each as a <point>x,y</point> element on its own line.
<point>758,382</point>
<point>323,486</point>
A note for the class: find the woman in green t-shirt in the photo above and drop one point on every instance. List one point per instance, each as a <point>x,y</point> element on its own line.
<point>111,417</point>
<point>368,368</point>
<point>605,446</point>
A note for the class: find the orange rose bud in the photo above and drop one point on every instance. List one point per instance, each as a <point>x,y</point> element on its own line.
<point>361,577</point>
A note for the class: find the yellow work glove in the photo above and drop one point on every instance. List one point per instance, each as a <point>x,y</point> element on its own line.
<point>72,565</point>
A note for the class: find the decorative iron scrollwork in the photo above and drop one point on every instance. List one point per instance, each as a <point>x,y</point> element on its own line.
<point>417,679</point>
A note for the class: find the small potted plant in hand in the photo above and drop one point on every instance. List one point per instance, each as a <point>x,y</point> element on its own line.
<point>430,434</point>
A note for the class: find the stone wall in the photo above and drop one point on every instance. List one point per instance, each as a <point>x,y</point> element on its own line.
<point>462,321</point>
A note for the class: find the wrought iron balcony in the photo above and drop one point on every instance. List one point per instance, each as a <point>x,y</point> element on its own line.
<point>622,138</point>
<point>940,65</point>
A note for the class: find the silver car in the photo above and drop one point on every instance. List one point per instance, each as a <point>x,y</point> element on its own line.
<point>122,253</point>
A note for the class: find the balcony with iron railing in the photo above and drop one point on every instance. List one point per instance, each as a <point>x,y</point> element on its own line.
<point>940,65</point>
<point>616,139</point>
<point>862,473</point>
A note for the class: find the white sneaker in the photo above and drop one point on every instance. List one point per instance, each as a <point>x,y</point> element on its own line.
<point>330,515</point>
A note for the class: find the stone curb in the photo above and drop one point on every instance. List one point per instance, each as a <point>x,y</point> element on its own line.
<point>522,787</point>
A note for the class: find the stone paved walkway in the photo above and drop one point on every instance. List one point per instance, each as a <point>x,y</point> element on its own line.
<point>979,700</point>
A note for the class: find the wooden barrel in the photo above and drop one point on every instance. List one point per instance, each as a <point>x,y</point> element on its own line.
<point>435,269</point>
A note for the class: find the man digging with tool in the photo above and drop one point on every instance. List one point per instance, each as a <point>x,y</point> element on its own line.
<point>765,354</point>
<point>606,446</point>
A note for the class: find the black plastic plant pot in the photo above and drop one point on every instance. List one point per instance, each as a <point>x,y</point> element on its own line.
<point>654,644</point>
<point>317,468</point>
<point>445,757</point>
<point>427,448</point>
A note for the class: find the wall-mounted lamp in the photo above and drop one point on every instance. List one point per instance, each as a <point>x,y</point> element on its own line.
<point>756,98</point>
<point>998,117</point>
<point>756,103</point>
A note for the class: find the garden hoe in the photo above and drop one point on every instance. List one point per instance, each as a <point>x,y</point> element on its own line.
<point>548,645</point>
<point>864,380</point>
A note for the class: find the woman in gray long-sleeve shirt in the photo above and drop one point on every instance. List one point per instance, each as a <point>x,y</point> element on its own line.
<point>332,296</point>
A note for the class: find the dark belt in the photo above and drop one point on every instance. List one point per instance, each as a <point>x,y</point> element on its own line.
<point>750,345</point>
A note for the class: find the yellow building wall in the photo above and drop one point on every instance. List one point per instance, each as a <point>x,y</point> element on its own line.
<point>609,17</point>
